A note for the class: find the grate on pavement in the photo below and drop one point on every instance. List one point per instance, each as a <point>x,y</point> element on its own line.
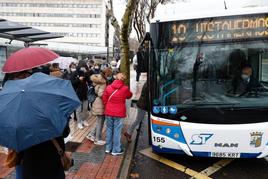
<point>96,155</point>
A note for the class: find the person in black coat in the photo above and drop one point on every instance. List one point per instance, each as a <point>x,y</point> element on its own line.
<point>143,107</point>
<point>80,81</point>
<point>246,82</point>
<point>43,161</point>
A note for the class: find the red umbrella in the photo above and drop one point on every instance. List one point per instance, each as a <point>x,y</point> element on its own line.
<point>28,58</point>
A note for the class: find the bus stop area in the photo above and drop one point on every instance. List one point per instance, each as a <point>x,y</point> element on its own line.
<point>91,161</point>
<point>199,81</point>
<point>156,165</point>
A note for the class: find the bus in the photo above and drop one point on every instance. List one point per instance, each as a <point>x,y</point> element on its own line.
<point>208,84</point>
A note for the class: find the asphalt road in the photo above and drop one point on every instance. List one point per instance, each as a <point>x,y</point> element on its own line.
<point>146,167</point>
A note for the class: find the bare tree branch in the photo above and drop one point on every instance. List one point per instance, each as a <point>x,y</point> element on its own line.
<point>114,22</point>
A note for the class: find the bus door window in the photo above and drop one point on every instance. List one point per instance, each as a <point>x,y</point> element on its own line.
<point>264,67</point>
<point>254,57</point>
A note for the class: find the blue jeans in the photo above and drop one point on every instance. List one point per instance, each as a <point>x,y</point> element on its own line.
<point>98,128</point>
<point>113,134</point>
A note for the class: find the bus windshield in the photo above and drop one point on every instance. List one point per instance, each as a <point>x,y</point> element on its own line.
<point>221,74</point>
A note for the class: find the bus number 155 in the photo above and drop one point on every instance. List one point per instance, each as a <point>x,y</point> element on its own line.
<point>159,139</point>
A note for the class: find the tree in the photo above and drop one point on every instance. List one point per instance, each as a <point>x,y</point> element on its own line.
<point>123,32</point>
<point>136,12</point>
<point>145,12</point>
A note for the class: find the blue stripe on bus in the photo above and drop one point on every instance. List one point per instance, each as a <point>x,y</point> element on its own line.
<point>202,154</point>
<point>249,155</point>
<point>159,129</point>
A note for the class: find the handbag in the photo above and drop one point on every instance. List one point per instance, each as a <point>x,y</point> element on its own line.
<point>66,161</point>
<point>91,95</point>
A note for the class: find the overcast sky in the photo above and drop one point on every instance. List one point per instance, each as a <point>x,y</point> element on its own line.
<point>194,6</point>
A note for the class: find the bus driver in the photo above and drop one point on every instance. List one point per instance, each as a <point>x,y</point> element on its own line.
<point>245,82</point>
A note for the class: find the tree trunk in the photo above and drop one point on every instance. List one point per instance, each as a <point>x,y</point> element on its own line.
<point>113,19</point>
<point>125,31</point>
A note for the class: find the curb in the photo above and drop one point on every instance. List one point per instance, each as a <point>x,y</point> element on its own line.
<point>128,156</point>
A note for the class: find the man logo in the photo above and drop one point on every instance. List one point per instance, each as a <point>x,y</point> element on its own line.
<point>227,145</point>
<point>200,139</point>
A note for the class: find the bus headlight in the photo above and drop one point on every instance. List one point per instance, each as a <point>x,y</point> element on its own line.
<point>168,130</point>
<point>176,135</point>
<point>158,129</point>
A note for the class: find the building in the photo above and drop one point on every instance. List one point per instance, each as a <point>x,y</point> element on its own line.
<point>81,22</point>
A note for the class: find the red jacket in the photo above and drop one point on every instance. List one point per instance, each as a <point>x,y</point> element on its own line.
<point>116,106</point>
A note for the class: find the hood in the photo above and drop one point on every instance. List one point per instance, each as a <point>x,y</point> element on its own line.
<point>97,79</point>
<point>117,84</point>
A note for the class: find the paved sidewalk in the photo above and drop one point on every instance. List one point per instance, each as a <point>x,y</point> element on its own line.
<point>90,160</point>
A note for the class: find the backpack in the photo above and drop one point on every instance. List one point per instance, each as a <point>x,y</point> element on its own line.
<point>91,95</point>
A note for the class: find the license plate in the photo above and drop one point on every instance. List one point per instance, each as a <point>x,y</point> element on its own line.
<point>225,155</point>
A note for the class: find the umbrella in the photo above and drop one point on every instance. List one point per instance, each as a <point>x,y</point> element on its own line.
<point>64,62</point>
<point>34,110</point>
<point>28,58</point>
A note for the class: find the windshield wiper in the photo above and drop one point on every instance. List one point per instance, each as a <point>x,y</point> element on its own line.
<point>190,106</point>
<point>212,103</point>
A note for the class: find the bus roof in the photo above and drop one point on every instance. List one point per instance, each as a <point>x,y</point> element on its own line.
<point>172,14</point>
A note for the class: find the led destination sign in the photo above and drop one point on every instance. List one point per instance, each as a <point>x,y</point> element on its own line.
<point>212,29</point>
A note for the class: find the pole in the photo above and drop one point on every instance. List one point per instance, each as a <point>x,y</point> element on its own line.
<point>225,6</point>
<point>107,35</point>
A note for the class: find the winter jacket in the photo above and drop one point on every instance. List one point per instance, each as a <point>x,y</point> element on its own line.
<point>42,161</point>
<point>80,87</point>
<point>143,102</point>
<point>99,84</point>
<point>116,106</point>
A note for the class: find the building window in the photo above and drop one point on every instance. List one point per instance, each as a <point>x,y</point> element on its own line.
<point>51,15</point>
<point>50,5</point>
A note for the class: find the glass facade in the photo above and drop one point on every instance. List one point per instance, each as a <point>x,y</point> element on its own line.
<point>44,24</point>
<point>91,35</point>
<point>79,15</point>
<point>50,15</point>
<point>49,5</point>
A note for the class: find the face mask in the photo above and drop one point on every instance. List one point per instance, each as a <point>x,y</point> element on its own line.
<point>73,69</point>
<point>97,67</point>
<point>202,58</point>
<point>83,69</point>
<point>244,77</point>
<point>109,77</point>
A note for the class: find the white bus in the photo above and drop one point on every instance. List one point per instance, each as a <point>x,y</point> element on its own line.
<point>208,81</point>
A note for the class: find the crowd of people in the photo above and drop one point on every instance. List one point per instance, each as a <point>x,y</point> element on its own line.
<point>85,76</point>
<point>103,94</point>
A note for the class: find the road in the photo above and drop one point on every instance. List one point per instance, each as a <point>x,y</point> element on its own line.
<point>181,166</point>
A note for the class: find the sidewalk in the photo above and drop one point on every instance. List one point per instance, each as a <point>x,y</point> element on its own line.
<point>90,160</point>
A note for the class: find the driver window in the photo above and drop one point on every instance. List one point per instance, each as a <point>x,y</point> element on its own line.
<point>264,69</point>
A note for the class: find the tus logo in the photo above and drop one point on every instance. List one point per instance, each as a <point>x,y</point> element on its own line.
<point>200,139</point>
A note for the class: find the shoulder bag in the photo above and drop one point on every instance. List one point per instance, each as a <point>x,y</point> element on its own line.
<point>67,162</point>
